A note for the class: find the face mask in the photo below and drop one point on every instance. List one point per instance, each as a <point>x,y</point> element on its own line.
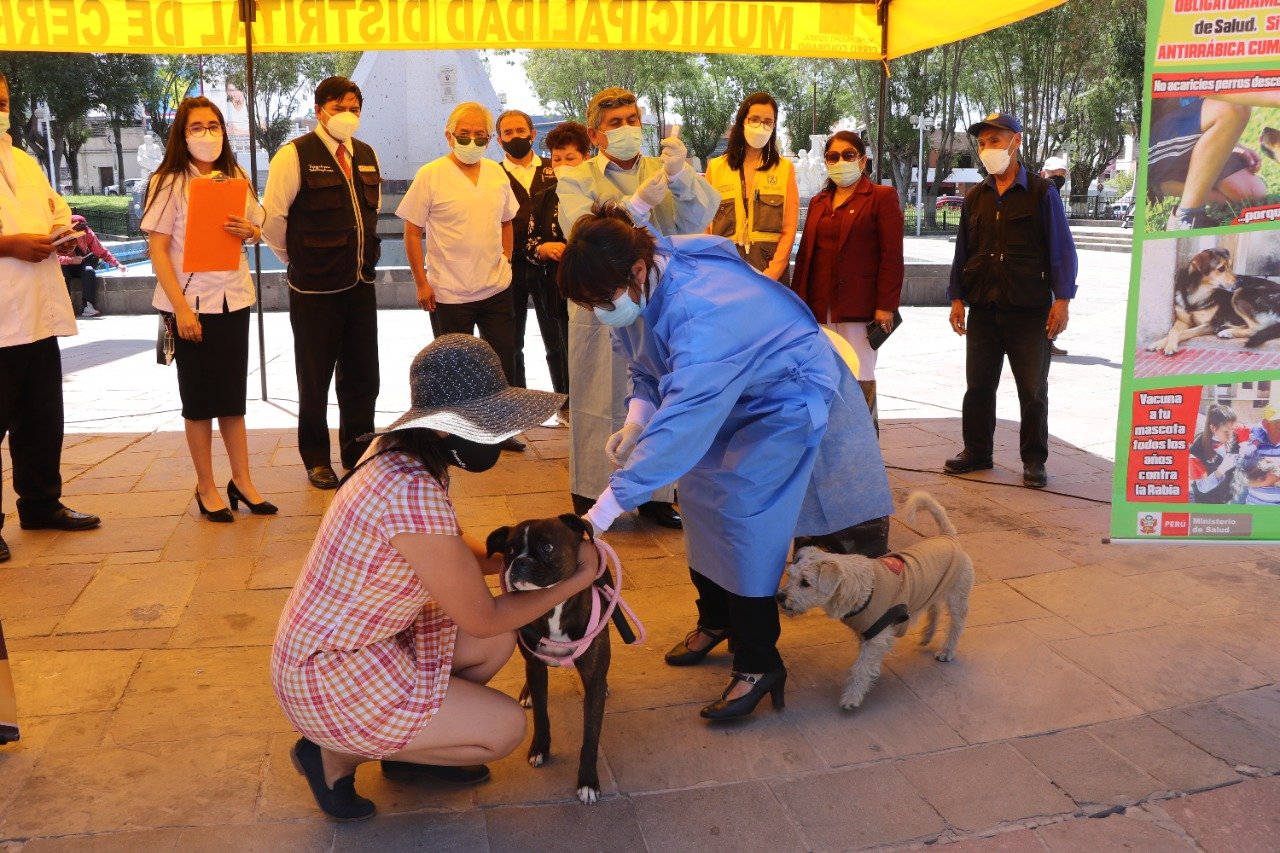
<point>625,311</point>
<point>757,137</point>
<point>561,171</point>
<point>469,154</point>
<point>4,123</point>
<point>203,148</point>
<point>1059,181</point>
<point>517,147</point>
<point>844,173</point>
<point>995,160</point>
<point>624,142</point>
<point>342,126</point>
<point>470,455</point>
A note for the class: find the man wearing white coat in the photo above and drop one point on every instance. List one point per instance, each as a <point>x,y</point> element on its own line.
<point>671,198</point>
<point>35,311</point>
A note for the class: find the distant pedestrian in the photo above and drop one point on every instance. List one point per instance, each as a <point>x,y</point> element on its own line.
<point>80,258</point>
<point>1015,269</point>
<point>37,311</point>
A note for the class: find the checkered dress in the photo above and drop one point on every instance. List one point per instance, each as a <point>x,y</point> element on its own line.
<point>362,654</point>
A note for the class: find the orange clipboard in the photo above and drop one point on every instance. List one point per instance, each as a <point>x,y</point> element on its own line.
<point>208,248</point>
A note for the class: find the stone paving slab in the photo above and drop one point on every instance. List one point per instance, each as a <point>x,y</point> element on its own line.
<point>1090,676</point>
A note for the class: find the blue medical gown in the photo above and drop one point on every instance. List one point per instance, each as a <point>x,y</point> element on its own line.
<point>764,427</point>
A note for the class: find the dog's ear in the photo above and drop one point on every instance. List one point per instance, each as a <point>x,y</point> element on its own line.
<point>828,578</point>
<point>497,541</point>
<point>577,525</point>
<point>1202,262</point>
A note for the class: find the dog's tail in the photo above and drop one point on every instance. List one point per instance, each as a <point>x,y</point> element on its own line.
<point>1258,338</point>
<point>916,500</point>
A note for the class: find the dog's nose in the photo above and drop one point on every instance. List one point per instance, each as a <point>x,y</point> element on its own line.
<point>780,596</point>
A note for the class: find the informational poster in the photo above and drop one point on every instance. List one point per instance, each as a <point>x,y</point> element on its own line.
<point>1198,445</point>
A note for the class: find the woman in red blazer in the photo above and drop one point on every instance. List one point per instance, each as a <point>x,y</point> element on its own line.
<point>849,266</point>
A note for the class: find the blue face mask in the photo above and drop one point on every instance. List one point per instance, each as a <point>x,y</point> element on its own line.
<point>625,311</point>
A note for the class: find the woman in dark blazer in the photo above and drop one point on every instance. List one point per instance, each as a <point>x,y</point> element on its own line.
<point>849,266</point>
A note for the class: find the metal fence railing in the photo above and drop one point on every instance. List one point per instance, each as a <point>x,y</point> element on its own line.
<point>1093,207</point>
<point>111,223</point>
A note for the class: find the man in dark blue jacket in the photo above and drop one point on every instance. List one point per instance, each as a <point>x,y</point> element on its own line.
<point>1015,269</point>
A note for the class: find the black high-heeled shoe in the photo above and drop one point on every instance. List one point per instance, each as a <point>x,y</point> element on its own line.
<point>682,655</point>
<point>341,802</point>
<point>222,516</point>
<point>772,683</point>
<point>235,497</point>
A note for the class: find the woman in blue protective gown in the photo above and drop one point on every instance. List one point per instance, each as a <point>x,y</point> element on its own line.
<point>738,395</point>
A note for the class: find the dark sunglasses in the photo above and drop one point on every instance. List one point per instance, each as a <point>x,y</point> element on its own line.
<point>847,156</point>
<point>611,103</point>
<point>463,139</point>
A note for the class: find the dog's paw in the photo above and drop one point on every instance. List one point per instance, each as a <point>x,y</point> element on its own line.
<point>1170,350</point>
<point>850,702</point>
<point>945,656</point>
<point>537,759</point>
<point>1225,332</point>
<point>588,795</point>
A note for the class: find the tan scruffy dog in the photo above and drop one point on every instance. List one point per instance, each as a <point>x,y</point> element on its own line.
<point>879,598</point>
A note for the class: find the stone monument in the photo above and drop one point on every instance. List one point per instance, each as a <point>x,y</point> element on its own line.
<point>408,95</point>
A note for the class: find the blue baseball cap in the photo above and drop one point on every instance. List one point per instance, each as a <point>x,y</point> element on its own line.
<point>1003,121</point>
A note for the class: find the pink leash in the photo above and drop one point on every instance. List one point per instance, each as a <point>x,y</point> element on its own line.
<point>600,615</point>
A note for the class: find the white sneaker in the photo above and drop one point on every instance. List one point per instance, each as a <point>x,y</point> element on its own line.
<point>89,310</point>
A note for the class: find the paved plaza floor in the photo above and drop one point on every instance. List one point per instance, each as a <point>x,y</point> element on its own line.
<point>1105,696</point>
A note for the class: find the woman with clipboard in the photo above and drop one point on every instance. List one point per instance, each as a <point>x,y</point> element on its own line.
<point>208,292</point>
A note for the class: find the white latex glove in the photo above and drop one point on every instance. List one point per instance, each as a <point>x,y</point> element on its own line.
<point>675,156</point>
<point>619,446</point>
<point>650,194</point>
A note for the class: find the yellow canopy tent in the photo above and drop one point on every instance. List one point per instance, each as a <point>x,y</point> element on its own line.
<point>845,29</point>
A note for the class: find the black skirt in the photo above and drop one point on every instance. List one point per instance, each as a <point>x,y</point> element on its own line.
<point>213,374</point>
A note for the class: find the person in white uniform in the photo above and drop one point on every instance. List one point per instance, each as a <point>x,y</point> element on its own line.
<point>665,193</point>
<point>35,311</point>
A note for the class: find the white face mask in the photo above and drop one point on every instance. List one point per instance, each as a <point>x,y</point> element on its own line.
<point>757,137</point>
<point>625,311</point>
<point>624,142</point>
<point>4,123</point>
<point>204,148</point>
<point>342,126</point>
<point>469,154</point>
<point>995,160</point>
<point>844,173</point>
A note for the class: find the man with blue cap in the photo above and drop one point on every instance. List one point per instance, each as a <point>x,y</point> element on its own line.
<point>1015,270</point>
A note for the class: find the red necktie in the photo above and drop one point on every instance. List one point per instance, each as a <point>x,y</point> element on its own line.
<point>342,160</point>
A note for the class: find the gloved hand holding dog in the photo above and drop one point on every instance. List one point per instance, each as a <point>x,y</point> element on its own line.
<point>619,446</point>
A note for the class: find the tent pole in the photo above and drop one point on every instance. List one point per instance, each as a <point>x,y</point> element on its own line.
<point>248,14</point>
<point>882,12</point>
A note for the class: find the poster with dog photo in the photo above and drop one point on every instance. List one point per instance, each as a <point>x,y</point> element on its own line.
<point>1209,304</point>
<point>1197,453</point>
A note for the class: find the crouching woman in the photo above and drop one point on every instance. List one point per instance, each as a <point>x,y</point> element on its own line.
<point>391,634</point>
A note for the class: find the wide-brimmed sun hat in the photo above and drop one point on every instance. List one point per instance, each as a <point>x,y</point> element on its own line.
<point>456,385</point>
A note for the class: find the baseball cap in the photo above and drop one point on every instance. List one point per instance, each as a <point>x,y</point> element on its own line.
<point>1054,163</point>
<point>1004,121</point>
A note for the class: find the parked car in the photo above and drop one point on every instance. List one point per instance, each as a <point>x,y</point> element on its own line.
<point>949,202</point>
<point>1122,206</point>
<point>130,187</point>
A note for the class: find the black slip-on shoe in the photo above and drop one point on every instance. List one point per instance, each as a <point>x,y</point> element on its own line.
<point>1034,476</point>
<point>662,513</point>
<point>341,802</point>
<point>964,462</point>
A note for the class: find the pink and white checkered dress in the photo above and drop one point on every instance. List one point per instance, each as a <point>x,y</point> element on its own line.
<point>362,654</point>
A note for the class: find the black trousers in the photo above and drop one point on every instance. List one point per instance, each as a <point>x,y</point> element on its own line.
<point>335,332</point>
<point>88,278</point>
<point>31,415</point>
<point>752,622</point>
<point>552,314</point>
<point>492,316</point>
<point>992,334</point>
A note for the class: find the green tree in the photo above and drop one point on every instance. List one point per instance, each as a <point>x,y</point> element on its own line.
<point>116,83</point>
<point>171,77</point>
<point>813,94</point>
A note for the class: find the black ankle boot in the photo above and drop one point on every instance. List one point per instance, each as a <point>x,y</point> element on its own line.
<point>772,683</point>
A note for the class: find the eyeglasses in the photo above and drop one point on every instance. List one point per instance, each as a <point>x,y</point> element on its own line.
<point>621,101</point>
<point>756,121</point>
<point>847,156</point>
<point>198,130</point>
<point>468,139</point>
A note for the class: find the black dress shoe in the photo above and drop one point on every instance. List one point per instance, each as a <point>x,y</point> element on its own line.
<point>222,516</point>
<point>682,655</point>
<point>323,477</point>
<point>772,683</point>
<point>964,462</point>
<point>341,802</point>
<point>662,513</point>
<point>4,551</point>
<point>512,444</point>
<point>1034,477</point>
<point>235,497</point>
<point>407,771</point>
<point>63,519</point>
